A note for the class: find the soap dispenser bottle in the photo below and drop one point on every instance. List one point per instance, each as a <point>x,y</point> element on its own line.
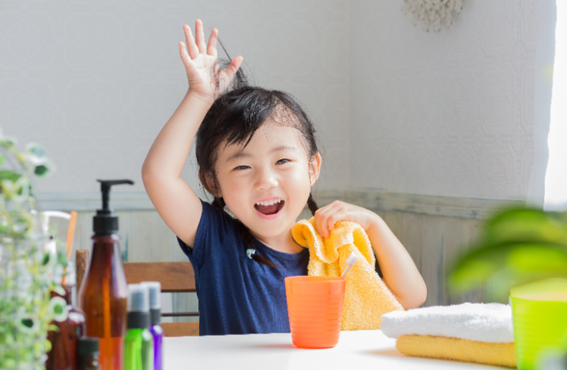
<point>104,292</point>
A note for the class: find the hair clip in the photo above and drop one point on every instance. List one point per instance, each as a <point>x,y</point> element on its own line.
<point>250,252</point>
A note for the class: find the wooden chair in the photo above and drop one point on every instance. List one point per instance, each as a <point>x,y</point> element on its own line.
<point>174,277</point>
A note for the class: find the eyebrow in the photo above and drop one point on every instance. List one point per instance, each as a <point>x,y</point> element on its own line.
<point>242,154</point>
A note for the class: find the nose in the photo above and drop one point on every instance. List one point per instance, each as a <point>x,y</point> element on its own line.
<point>266,179</point>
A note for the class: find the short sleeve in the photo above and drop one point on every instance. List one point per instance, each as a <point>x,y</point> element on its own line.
<point>213,227</point>
<point>238,295</point>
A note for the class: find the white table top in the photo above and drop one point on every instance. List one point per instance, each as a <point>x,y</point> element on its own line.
<point>356,350</point>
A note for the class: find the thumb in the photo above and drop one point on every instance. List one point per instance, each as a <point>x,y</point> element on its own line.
<point>233,67</point>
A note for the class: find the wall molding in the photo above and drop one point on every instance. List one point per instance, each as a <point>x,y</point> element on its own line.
<point>377,200</point>
<point>460,207</point>
<point>91,201</point>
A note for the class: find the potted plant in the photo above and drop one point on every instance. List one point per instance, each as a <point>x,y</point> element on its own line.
<point>521,256</point>
<point>28,272</point>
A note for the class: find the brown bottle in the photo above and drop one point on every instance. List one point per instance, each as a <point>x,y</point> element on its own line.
<point>104,292</point>
<point>62,355</point>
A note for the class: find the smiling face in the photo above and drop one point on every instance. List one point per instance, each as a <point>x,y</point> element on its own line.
<point>266,183</point>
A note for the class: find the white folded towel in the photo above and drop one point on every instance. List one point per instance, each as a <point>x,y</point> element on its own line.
<point>483,322</point>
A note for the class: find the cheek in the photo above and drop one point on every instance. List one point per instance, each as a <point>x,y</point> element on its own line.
<point>301,174</point>
<point>230,185</point>
<point>298,181</point>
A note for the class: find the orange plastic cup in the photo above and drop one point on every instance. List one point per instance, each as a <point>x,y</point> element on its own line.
<point>315,309</point>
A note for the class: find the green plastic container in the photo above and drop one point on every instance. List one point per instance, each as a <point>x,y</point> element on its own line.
<point>539,314</point>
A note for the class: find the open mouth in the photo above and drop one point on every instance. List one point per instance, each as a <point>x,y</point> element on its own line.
<point>269,208</point>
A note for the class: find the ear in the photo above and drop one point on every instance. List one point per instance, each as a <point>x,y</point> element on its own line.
<point>209,183</point>
<point>314,168</point>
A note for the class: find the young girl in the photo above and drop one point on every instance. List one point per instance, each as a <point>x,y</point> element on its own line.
<point>258,157</point>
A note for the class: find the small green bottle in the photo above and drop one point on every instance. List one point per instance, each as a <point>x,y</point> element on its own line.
<point>138,343</point>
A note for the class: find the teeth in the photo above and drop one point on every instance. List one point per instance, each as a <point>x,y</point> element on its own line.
<point>269,203</point>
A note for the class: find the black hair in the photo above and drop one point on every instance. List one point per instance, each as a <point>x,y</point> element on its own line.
<point>233,118</point>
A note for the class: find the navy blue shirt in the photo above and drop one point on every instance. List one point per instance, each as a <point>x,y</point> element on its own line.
<point>238,295</point>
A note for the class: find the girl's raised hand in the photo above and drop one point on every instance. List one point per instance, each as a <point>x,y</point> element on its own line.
<point>203,71</point>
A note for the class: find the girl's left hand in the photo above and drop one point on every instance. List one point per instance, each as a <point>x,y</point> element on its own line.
<point>400,273</point>
<point>326,217</point>
<point>204,74</point>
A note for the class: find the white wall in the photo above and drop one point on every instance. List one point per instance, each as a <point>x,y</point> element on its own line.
<point>398,109</point>
<point>443,113</point>
<point>94,81</point>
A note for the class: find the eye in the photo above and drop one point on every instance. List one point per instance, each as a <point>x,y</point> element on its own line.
<point>243,167</point>
<point>283,160</point>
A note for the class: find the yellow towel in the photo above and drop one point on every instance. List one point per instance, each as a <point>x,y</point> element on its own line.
<point>500,354</point>
<point>366,295</point>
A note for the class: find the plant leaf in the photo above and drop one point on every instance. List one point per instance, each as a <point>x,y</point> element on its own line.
<point>43,170</point>
<point>8,142</point>
<point>512,261</point>
<point>525,225</point>
<point>538,258</point>
<point>9,175</point>
<point>36,150</point>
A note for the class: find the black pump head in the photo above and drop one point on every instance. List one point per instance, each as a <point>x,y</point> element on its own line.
<point>105,222</point>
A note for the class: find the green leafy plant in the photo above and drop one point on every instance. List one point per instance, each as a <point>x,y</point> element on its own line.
<point>28,272</point>
<point>516,245</point>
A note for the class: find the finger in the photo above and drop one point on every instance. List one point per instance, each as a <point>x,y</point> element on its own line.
<point>187,61</point>
<point>321,221</point>
<point>328,217</point>
<point>212,47</point>
<point>184,54</point>
<point>331,221</point>
<point>200,35</point>
<point>322,228</point>
<point>329,224</point>
<point>233,68</point>
<point>191,47</point>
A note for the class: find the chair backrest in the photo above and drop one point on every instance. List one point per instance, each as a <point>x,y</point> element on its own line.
<point>174,277</point>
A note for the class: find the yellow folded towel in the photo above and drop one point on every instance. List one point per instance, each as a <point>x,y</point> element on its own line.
<point>499,354</point>
<point>471,332</point>
<point>366,295</point>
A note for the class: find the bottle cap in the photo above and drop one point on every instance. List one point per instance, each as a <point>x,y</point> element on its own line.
<point>105,222</point>
<point>87,345</point>
<point>155,294</point>
<point>138,298</point>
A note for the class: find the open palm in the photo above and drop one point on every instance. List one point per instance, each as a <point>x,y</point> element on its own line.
<point>205,76</point>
